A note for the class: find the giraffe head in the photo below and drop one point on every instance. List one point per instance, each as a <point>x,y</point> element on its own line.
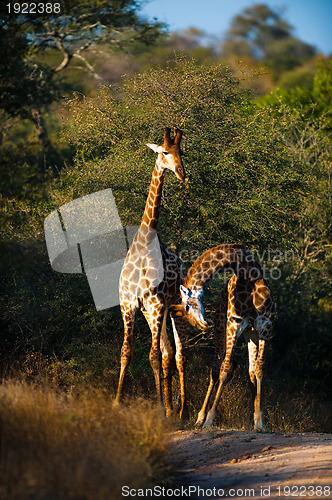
<point>169,153</point>
<point>191,308</point>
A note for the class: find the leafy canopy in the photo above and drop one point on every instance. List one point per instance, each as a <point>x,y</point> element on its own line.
<point>241,176</point>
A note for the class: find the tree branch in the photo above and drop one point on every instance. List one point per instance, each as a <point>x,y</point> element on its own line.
<point>88,65</point>
<point>66,56</point>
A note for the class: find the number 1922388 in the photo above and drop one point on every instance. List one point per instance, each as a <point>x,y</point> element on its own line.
<point>34,8</point>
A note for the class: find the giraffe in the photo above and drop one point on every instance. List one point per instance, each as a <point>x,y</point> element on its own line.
<point>150,280</point>
<point>246,306</point>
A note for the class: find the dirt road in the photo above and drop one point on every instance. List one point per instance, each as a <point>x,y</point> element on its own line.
<point>237,464</point>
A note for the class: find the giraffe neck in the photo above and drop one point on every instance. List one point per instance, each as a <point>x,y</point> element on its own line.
<point>152,207</point>
<point>222,257</point>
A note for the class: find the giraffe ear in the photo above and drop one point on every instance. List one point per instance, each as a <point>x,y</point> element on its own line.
<point>184,293</point>
<point>177,310</point>
<point>155,148</point>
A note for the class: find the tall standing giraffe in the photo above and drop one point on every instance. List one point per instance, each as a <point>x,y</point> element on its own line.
<point>246,306</point>
<point>150,280</point>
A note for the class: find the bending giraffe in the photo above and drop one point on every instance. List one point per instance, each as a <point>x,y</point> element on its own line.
<point>150,280</point>
<point>246,306</point>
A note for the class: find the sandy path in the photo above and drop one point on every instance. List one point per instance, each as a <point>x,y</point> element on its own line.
<point>252,465</point>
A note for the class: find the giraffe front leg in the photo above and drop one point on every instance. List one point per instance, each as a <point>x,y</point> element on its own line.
<point>179,332</point>
<point>225,372</point>
<point>154,358</point>
<point>220,323</point>
<point>232,333</point>
<point>167,364</point>
<point>128,316</point>
<point>213,380</point>
<point>167,353</point>
<point>252,354</point>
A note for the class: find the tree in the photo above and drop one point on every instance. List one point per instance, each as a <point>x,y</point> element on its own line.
<point>260,33</point>
<point>242,181</point>
<point>322,88</point>
<point>287,54</point>
<point>74,31</point>
<point>305,293</point>
<point>25,86</point>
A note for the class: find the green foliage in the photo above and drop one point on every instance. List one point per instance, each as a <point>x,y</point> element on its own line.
<point>23,84</point>
<point>304,294</point>
<point>322,89</point>
<point>258,26</point>
<point>287,54</point>
<point>308,102</point>
<point>237,165</point>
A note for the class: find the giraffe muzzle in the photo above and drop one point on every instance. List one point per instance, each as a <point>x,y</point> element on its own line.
<point>179,311</point>
<point>180,173</point>
<point>201,324</point>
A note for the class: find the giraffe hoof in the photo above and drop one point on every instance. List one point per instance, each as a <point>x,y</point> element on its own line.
<point>258,422</point>
<point>207,425</point>
<point>200,421</point>
<point>116,404</point>
<point>211,416</point>
<point>169,413</point>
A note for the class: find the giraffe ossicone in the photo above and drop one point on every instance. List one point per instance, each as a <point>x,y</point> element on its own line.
<point>196,294</point>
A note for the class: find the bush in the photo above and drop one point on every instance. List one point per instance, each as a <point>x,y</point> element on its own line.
<point>241,175</point>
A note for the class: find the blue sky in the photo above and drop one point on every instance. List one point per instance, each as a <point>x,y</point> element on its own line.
<point>311,19</point>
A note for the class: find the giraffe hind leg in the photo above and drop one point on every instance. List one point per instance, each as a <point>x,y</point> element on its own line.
<point>154,315</point>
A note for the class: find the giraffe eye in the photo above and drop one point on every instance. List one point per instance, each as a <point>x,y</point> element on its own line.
<point>187,307</point>
<point>165,153</point>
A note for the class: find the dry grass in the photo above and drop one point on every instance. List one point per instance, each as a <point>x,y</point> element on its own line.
<point>286,409</point>
<point>56,445</point>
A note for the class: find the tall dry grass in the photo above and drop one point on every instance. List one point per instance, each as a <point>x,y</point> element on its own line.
<point>287,408</point>
<point>55,445</point>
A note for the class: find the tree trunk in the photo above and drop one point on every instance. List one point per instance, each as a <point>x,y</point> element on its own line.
<point>39,123</point>
<point>47,148</point>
